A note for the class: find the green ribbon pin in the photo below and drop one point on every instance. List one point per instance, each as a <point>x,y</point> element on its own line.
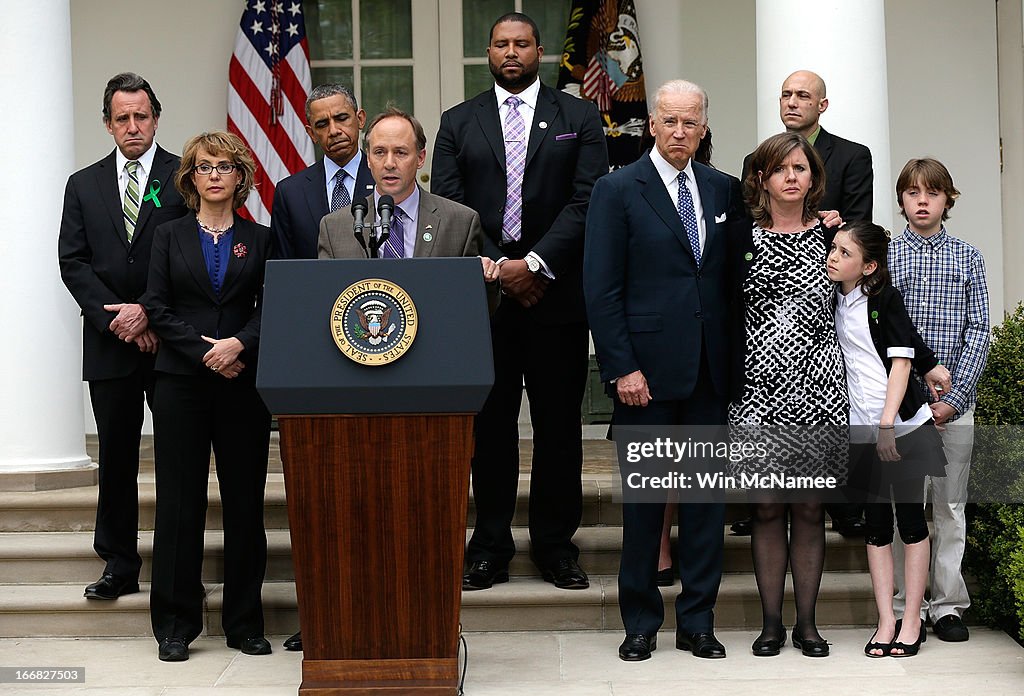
<point>874,315</point>
<point>154,191</point>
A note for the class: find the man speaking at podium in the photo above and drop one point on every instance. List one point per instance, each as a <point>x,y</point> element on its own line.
<point>422,224</point>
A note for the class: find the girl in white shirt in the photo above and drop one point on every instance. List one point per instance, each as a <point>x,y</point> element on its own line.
<point>894,443</point>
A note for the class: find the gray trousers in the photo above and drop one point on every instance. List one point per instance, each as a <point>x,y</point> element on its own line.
<point>949,497</point>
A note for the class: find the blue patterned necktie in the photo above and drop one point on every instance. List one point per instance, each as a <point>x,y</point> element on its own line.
<point>340,197</point>
<point>394,247</point>
<point>684,206</point>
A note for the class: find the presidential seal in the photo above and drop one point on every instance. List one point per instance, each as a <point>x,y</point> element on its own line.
<point>373,322</point>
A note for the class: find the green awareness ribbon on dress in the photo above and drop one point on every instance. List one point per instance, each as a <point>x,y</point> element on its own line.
<point>154,191</point>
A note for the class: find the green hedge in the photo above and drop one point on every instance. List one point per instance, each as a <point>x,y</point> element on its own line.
<point>995,532</point>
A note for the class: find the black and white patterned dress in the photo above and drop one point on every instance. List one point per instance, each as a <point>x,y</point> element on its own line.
<point>794,397</point>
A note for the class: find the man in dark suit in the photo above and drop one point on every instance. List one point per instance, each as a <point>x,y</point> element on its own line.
<point>849,180</point>
<point>110,211</point>
<point>525,157</point>
<point>655,278</point>
<point>333,121</point>
<point>422,224</point>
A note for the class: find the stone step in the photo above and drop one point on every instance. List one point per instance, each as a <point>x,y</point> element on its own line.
<point>65,557</point>
<point>74,509</point>
<point>525,604</point>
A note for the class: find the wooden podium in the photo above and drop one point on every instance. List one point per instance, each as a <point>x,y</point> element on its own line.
<point>376,462</point>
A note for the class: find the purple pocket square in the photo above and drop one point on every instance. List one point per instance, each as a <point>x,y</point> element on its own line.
<point>565,136</point>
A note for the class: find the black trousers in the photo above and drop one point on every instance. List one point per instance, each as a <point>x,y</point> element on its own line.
<point>190,414</point>
<point>552,362</point>
<point>118,407</point>
<point>701,529</point>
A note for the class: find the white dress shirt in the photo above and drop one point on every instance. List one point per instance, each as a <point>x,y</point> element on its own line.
<point>670,177</point>
<point>409,209</point>
<point>866,378</point>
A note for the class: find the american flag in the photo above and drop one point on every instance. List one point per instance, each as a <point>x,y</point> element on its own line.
<point>268,83</point>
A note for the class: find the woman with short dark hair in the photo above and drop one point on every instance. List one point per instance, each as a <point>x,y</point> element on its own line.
<point>203,300</point>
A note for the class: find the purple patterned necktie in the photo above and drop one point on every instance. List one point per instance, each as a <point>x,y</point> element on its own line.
<point>394,247</point>
<point>684,206</point>
<point>515,165</point>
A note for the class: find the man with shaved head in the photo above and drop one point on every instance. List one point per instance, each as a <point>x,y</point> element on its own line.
<point>848,176</point>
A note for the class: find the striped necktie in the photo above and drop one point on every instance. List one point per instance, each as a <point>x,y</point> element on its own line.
<point>515,166</point>
<point>394,247</point>
<point>131,199</point>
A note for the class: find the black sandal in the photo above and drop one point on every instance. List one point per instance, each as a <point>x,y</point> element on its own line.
<point>872,645</point>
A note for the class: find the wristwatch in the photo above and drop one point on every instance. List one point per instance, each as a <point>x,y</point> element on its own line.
<point>532,264</point>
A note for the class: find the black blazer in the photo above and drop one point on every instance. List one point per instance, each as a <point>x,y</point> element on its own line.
<point>849,178</point>
<point>99,266</point>
<point>183,307</point>
<point>650,307</point>
<point>300,202</point>
<point>566,155</point>
<point>890,326</point>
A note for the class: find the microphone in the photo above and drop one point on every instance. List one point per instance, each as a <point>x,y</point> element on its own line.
<point>358,213</point>
<point>385,207</point>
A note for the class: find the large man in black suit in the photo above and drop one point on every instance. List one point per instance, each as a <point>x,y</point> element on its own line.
<point>110,211</point>
<point>655,278</point>
<point>333,121</point>
<point>525,157</point>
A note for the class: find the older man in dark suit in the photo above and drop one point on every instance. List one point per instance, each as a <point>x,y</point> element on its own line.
<point>525,157</point>
<point>110,211</point>
<point>333,121</point>
<point>656,282</point>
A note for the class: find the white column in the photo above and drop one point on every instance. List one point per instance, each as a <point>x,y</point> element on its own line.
<point>844,42</point>
<point>41,420</point>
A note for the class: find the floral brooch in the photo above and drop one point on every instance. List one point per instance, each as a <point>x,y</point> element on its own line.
<point>240,250</point>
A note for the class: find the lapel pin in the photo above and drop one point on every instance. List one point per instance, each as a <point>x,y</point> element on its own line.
<point>427,237</point>
<point>542,125</point>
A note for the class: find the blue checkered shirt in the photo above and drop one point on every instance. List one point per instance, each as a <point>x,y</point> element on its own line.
<point>942,280</point>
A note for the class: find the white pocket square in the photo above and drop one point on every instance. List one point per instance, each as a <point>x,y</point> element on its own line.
<point>721,218</point>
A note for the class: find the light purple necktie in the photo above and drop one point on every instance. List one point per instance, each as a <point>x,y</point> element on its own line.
<point>394,247</point>
<point>515,165</point>
<point>684,205</point>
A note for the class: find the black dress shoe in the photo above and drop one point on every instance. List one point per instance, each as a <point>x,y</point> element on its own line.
<point>482,574</point>
<point>666,578</point>
<point>809,647</point>
<point>768,646</point>
<point>700,644</point>
<point>742,527</point>
<point>849,526</point>
<point>637,647</point>
<point>951,629</point>
<point>257,645</point>
<point>173,650</point>
<point>294,643</point>
<point>567,575</point>
<point>110,586</point>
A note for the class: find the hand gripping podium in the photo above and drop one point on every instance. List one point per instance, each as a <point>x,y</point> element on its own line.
<point>375,369</point>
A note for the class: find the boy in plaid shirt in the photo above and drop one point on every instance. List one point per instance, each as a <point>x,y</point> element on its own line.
<point>942,280</point>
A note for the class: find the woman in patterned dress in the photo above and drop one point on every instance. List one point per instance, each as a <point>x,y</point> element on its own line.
<point>793,397</point>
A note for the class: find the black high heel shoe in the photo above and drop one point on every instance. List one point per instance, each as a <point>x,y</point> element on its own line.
<point>810,647</point>
<point>924,633</point>
<point>768,647</point>
<point>909,649</point>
